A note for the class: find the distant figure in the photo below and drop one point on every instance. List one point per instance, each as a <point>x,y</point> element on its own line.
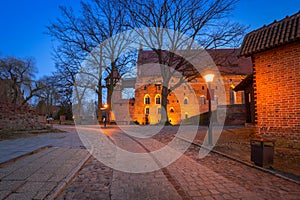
<point>104,121</point>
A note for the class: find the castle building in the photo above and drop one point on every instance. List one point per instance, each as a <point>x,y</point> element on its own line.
<point>144,107</point>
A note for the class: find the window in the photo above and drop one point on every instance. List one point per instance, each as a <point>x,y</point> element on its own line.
<point>232,97</point>
<point>157,99</point>
<point>147,99</point>
<point>158,87</point>
<point>185,101</point>
<point>215,101</point>
<point>202,100</point>
<point>203,87</point>
<point>186,115</point>
<point>171,110</point>
<point>147,110</point>
<point>243,97</point>
<point>145,87</point>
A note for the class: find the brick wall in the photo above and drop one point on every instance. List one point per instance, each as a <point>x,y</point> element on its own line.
<point>277,91</point>
<point>13,117</point>
<point>235,114</point>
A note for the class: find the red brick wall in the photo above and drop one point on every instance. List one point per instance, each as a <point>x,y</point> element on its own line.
<point>277,91</point>
<point>14,117</point>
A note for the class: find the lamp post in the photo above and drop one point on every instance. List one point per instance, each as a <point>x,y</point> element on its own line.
<point>104,114</point>
<point>208,79</point>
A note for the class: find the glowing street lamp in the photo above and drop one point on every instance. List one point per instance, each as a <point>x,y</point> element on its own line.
<point>208,79</point>
<point>105,105</point>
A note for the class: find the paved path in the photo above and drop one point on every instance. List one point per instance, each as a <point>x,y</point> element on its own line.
<point>41,165</point>
<point>10,149</point>
<point>213,177</point>
<point>42,174</point>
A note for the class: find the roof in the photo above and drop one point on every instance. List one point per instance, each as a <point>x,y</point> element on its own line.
<point>226,60</point>
<point>276,34</point>
<point>248,81</point>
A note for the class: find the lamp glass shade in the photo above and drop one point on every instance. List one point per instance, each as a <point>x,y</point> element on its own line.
<point>209,78</point>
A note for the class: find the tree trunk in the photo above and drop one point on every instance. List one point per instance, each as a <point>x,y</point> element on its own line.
<point>99,93</point>
<point>164,102</point>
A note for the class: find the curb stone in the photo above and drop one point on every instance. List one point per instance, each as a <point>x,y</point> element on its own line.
<point>59,188</point>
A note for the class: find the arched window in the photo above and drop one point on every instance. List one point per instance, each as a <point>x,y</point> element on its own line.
<point>172,110</point>
<point>147,110</point>
<point>186,115</point>
<point>147,99</point>
<point>185,101</point>
<point>157,99</point>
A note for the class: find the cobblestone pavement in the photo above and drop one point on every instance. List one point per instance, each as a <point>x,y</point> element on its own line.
<point>189,177</point>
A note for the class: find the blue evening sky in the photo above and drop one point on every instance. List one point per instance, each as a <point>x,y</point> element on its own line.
<point>23,23</point>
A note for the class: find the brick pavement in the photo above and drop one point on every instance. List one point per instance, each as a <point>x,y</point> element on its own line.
<point>42,174</point>
<point>39,175</point>
<point>38,167</point>
<point>213,177</point>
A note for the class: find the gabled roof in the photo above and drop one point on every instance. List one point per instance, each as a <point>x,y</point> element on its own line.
<point>226,60</point>
<point>276,34</point>
<point>248,81</point>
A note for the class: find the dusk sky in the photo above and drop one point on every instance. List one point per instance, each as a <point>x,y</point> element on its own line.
<point>23,23</point>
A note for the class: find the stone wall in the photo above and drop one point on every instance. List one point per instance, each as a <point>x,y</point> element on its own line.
<point>13,117</point>
<point>277,91</point>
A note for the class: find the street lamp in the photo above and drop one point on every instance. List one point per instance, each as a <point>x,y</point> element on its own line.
<point>208,79</point>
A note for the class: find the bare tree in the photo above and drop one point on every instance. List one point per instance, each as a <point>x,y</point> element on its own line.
<point>20,74</point>
<point>82,37</point>
<point>49,96</point>
<point>165,23</point>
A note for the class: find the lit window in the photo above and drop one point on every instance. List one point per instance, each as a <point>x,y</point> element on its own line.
<point>157,99</point>
<point>147,111</point>
<point>185,101</point>
<point>243,97</point>
<point>232,97</point>
<point>147,99</point>
<point>186,115</point>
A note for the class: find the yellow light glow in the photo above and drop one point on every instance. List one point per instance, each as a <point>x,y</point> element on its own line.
<point>209,78</point>
<point>105,106</point>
